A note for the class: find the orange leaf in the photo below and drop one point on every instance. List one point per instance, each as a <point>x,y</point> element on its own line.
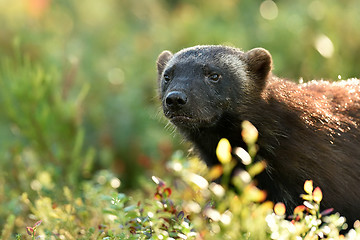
<point>299,209</point>
<point>254,194</point>
<point>167,192</point>
<point>317,194</point>
<point>158,196</point>
<point>215,172</point>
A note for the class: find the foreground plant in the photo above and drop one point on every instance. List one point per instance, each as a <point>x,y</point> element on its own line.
<point>32,230</point>
<point>193,202</point>
<point>307,221</point>
<point>155,218</point>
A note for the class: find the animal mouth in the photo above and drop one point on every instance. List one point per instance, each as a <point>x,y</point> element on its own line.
<point>181,119</point>
<point>191,122</point>
<point>187,120</point>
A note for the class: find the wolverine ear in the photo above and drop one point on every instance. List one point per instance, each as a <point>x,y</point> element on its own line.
<point>162,60</point>
<point>259,63</point>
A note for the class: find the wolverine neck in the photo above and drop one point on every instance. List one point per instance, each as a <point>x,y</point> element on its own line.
<point>269,118</point>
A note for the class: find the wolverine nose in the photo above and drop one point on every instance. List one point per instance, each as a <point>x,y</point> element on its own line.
<point>176,99</point>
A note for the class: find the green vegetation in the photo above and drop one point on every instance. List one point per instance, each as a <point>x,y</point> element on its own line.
<point>80,120</point>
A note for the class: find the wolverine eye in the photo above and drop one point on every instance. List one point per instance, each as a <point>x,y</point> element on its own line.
<point>166,78</point>
<point>214,77</point>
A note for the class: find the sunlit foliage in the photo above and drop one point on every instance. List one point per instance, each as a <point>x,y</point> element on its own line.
<point>78,95</point>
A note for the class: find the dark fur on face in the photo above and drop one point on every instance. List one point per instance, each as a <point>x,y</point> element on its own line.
<point>196,86</point>
<point>306,131</point>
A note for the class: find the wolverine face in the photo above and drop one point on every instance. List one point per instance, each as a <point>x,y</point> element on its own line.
<point>199,85</point>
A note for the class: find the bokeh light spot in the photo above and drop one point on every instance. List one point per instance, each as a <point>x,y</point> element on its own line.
<point>35,185</point>
<point>324,46</point>
<point>316,10</point>
<point>269,10</point>
<point>198,180</point>
<point>116,76</point>
<point>115,183</point>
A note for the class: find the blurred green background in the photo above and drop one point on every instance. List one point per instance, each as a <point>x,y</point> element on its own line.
<point>78,90</point>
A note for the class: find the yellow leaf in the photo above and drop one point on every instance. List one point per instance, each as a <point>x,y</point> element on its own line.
<point>268,205</point>
<point>317,194</point>
<point>306,197</point>
<point>223,151</point>
<point>308,186</point>
<point>279,209</point>
<point>257,168</point>
<point>79,202</point>
<point>249,133</point>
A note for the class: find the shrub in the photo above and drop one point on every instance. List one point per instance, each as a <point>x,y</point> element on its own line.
<point>190,206</point>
